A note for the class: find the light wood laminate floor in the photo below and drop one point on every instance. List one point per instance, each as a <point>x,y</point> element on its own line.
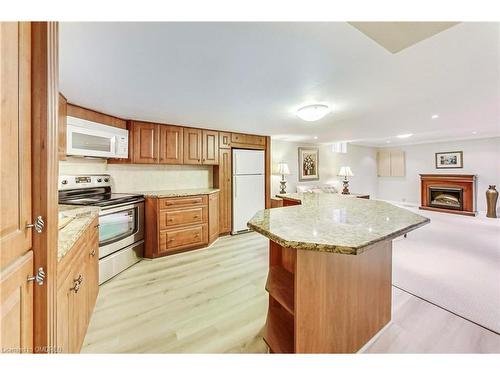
<point>213,301</point>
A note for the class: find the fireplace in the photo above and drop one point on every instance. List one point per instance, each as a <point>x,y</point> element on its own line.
<point>451,198</point>
<point>448,193</point>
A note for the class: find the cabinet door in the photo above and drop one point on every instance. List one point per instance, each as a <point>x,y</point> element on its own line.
<point>16,257</point>
<point>192,146</point>
<point>225,194</point>
<point>224,140</point>
<point>61,128</point>
<point>397,163</point>
<point>16,306</point>
<point>171,144</point>
<point>210,147</point>
<point>145,143</point>
<point>384,163</point>
<point>213,217</point>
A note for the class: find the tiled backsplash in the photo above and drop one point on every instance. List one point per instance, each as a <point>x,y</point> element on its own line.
<point>128,178</point>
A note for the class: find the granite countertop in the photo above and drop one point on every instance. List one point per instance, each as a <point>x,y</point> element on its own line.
<point>71,232</point>
<point>177,192</point>
<point>334,223</point>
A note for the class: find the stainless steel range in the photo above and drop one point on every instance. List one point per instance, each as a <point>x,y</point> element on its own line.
<point>121,220</point>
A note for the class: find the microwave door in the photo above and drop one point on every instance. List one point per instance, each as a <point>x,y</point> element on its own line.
<point>86,142</point>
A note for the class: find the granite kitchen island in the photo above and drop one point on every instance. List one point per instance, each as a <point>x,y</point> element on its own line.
<point>330,270</point>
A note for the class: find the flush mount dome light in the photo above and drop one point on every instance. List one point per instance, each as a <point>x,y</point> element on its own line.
<point>312,112</point>
<point>404,135</point>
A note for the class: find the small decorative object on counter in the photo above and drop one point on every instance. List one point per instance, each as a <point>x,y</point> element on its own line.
<point>345,172</point>
<point>283,170</point>
<point>491,201</point>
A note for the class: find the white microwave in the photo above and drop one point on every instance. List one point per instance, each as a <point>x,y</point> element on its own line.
<point>88,138</point>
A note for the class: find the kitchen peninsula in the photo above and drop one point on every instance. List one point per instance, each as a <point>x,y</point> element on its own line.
<point>330,270</point>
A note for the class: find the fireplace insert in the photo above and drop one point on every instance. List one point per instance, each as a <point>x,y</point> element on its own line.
<point>446,197</point>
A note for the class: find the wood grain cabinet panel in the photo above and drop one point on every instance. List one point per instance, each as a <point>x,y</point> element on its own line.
<point>224,140</point>
<point>223,179</point>
<point>210,147</point>
<point>61,127</point>
<point>213,217</point>
<point>192,146</point>
<point>16,256</point>
<point>145,143</point>
<point>171,144</point>
<point>182,201</point>
<point>171,218</point>
<point>248,141</point>
<point>178,239</point>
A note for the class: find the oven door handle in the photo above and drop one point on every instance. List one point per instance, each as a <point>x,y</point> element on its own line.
<point>125,207</point>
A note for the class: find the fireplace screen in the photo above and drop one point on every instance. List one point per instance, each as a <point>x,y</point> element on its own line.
<point>451,198</point>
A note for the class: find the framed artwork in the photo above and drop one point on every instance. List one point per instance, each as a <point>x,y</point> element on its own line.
<point>451,159</point>
<point>308,163</point>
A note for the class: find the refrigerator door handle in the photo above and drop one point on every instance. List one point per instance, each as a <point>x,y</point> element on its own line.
<point>235,187</point>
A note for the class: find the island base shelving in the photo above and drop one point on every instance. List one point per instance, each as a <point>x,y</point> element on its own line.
<point>321,302</point>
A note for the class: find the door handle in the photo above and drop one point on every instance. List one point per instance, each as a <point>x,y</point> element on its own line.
<point>39,277</point>
<point>38,225</point>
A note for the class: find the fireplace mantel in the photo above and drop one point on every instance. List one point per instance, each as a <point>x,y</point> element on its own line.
<point>465,183</point>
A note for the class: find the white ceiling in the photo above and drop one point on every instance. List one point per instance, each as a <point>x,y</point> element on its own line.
<point>251,77</point>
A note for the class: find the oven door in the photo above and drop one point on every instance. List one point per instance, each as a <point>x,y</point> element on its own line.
<point>119,227</point>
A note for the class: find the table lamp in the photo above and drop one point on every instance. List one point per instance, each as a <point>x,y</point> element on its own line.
<point>283,170</point>
<point>345,172</point>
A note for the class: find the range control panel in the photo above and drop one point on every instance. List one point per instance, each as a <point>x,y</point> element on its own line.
<point>67,182</point>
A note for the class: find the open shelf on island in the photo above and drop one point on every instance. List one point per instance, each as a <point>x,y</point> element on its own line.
<point>279,333</point>
<point>280,285</point>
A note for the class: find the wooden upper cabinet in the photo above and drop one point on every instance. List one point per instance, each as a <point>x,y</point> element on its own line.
<point>171,144</point>
<point>248,140</point>
<point>192,146</point>
<point>224,140</point>
<point>61,127</point>
<point>210,147</point>
<point>145,142</point>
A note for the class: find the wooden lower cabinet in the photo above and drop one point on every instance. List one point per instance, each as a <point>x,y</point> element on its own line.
<point>77,289</point>
<point>180,224</point>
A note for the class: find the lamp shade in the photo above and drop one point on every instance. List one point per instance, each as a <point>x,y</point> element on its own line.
<point>345,172</point>
<point>283,168</point>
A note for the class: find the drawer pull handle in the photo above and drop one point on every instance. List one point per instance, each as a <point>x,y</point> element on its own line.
<point>92,252</point>
<point>77,284</point>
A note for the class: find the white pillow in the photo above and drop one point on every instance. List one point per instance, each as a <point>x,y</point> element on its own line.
<point>317,191</point>
<point>304,188</point>
<point>329,189</point>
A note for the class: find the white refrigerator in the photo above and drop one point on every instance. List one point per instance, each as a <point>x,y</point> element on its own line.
<point>248,187</point>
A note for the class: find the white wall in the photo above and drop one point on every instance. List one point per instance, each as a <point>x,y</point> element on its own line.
<point>132,178</point>
<point>480,157</point>
<point>362,161</point>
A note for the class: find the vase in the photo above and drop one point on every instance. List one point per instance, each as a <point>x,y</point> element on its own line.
<point>491,201</point>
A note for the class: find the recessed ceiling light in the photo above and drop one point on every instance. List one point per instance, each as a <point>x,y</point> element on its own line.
<point>474,132</point>
<point>312,112</point>
<point>387,141</point>
<point>435,116</point>
<point>404,135</point>
<point>315,137</point>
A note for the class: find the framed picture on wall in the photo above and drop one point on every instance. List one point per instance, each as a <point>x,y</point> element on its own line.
<point>451,159</point>
<point>308,163</point>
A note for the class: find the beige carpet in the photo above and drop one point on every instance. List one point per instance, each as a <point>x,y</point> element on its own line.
<point>453,262</point>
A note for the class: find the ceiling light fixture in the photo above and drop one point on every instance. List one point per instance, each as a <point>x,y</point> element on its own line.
<point>404,135</point>
<point>435,116</point>
<point>474,132</point>
<point>312,112</point>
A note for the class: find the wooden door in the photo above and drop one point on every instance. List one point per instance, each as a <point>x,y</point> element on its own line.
<point>213,217</point>
<point>145,143</point>
<point>225,194</point>
<point>210,147</point>
<point>16,256</point>
<point>61,127</point>
<point>171,144</point>
<point>192,146</point>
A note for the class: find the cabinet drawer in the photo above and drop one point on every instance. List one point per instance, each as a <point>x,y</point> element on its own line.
<point>185,216</point>
<point>183,201</point>
<point>184,237</point>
